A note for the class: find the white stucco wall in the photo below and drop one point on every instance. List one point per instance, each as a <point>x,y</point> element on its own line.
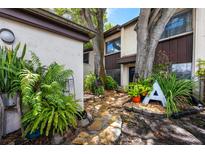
<point>50,47</point>
<point>199,37</point>
<point>128,40</point>
<point>125,74</point>
<point>89,68</point>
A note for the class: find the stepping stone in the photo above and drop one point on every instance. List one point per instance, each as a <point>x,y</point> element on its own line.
<point>96,125</point>
<point>81,138</point>
<point>95,140</point>
<point>110,135</point>
<point>84,122</point>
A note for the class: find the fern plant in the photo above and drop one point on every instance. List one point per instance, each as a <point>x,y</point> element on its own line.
<point>50,111</point>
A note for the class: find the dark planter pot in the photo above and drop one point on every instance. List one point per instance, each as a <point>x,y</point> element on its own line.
<point>8,100</point>
<point>33,135</point>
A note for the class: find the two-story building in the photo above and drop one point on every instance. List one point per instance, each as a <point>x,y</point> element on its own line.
<point>182,40</point>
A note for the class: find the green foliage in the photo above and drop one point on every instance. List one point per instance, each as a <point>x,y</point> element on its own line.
<point>75,14</point>
<point>108,26</point>
<point>157,68</point>
<point>110,83</point>
<point>133,89</point>
<point>89,81</point>
<point>50,111</point>
<point>176,91</point>
<point>93,84</point>
<point>141,87</point>
<point>10,66</point>
<point>201,65</point>
<point>87,45</point>
<point>146,85</point>
<point>99,90</point>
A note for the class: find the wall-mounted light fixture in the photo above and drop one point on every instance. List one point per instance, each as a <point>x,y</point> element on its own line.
<point>7,36</point>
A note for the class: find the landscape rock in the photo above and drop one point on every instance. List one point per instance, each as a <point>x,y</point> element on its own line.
<point>95,140</point>
<point>81,139</point>
<point>128,106</point>
<point>84,122</point>
<point>89,117</point>
<point>57,139</point>
<point>129,130</point>
<point>110,135</point>
<point>96,125</point>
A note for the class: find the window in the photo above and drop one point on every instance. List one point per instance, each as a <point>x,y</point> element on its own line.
<point>86,58</point>
<point>182,70</point>
<point>180,23</point>
<point>113,46</point>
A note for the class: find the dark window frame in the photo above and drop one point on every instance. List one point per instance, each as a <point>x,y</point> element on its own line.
<point>86,58</point>
<point>113,40</point>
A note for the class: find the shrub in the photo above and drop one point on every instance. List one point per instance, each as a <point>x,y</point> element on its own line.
<point>89,81</point>
<point>110,83</point>
<point>176,91</point>
<point>93,84</point>
<point>50,111</point>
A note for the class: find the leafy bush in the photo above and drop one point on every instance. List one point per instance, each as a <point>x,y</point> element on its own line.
<point>146,85</point>
<point>10,66</point>
<point>176,91</point>
<point>89,81</point>
<point>110,83</point>
<point>201,71</point>
<point>50,111</point>
<point>93,84</point>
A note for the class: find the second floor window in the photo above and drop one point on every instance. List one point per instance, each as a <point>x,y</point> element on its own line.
<point>113,46</point>
<point>178,24</point>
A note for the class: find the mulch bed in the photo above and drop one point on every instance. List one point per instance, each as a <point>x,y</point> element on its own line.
<point>152,106</point>
<point>16,138</point>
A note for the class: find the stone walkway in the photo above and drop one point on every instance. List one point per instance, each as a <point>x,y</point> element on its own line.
<point>110,121</point>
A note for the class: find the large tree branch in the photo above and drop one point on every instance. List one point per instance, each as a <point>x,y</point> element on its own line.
<point>155,34</point>
<point>155,16</point>
<point>87,16</point>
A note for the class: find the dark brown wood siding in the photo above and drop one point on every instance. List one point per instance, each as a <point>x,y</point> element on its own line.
<point>178,49</point>
<point>111,61</point>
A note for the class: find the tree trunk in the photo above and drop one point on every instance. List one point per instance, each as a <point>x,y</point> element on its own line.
<point>98,41</point>
<point>149,29</point>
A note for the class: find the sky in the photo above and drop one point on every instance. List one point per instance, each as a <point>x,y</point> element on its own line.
<point>121,15</point>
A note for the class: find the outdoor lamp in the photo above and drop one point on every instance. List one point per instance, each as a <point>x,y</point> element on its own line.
<point>7,36</point>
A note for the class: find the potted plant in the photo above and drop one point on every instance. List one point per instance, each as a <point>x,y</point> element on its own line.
<point>133,90</point>
<point>10,66</point>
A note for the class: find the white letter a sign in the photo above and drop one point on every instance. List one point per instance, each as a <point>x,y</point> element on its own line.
<point>156,94</point>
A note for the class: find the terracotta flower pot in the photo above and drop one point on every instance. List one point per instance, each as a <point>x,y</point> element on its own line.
<point>136,99</point>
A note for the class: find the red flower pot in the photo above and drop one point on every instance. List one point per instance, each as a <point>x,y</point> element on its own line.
<point>136,99</point>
